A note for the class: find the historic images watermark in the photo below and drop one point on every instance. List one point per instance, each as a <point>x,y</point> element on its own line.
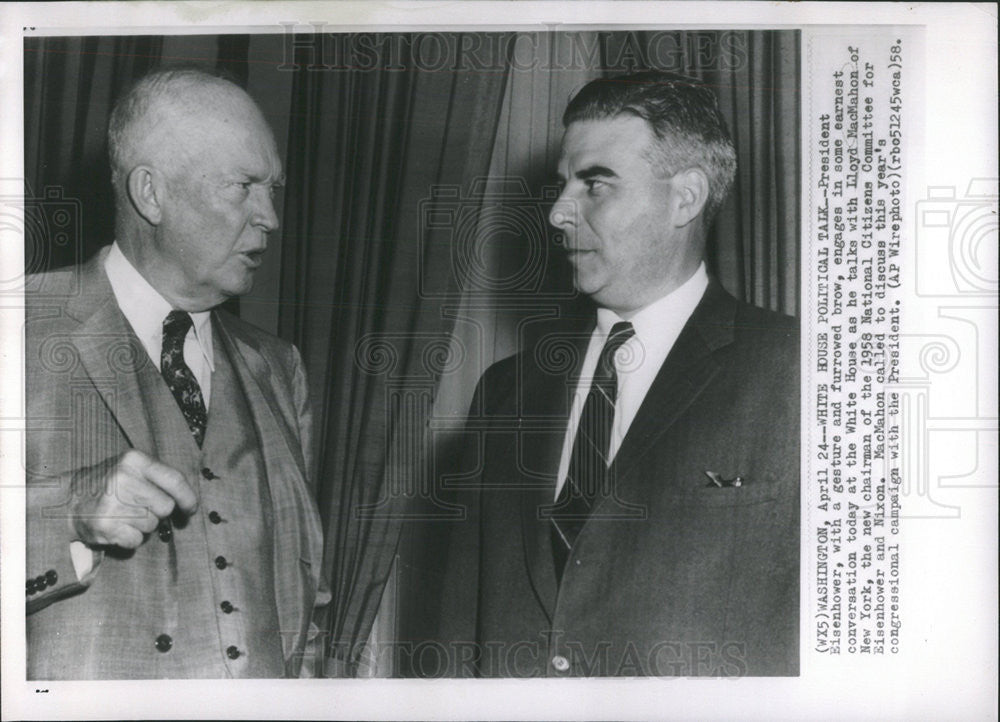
<point>317,47</point>
<point>42,223</point>
<point>437,660</point>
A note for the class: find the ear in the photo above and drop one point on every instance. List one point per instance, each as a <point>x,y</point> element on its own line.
<point>145,193</point>
<point>691,189</point>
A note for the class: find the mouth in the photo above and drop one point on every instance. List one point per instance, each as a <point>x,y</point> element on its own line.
<point>252,258</point>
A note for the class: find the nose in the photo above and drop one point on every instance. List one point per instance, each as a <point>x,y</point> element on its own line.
<point>264,214</point>
<point>563,213</point>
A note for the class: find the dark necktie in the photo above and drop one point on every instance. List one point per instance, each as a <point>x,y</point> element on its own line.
<point>178,375</point>
<point>588,466</point>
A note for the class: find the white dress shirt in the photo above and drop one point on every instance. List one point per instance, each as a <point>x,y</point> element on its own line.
<point>637,362</point>
<point>145,310</point>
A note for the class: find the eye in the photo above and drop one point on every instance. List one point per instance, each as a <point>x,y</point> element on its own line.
<point>595,185</point>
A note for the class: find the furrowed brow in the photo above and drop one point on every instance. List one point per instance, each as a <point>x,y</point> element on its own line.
<point>595,171</point>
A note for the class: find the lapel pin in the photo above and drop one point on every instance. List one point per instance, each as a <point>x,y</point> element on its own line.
<point>718,481</point>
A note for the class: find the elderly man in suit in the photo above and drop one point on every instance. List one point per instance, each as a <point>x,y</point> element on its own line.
<point>171,528</point>
<point>638,509</point>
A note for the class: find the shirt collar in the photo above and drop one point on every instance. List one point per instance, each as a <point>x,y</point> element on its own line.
<point>663,315</point>
<point>145,309</point>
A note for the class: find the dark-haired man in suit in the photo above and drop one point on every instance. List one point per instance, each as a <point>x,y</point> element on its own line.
<point>171,528</point>
<point>638,509</point>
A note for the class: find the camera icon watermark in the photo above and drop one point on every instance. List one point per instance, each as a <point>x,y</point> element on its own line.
<point>496,237</point>
<point>44,224</point>
<point>957,240</point>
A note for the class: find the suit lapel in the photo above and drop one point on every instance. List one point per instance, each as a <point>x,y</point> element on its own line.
<point>546,402</point>
<point>110,353</point>
<point>254,373</point>
<point>297,528</point>
<point>687,370</point>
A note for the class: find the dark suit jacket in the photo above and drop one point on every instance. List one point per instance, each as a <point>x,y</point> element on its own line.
<point>671,575</point>
<point>84,409</point>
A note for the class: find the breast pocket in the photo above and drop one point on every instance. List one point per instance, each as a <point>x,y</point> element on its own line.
<point>727,496</point>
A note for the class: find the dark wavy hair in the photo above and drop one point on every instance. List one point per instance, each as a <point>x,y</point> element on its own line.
<point>683,115</point>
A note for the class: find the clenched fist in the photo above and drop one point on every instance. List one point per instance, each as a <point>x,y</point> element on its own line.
<point>128,501</point>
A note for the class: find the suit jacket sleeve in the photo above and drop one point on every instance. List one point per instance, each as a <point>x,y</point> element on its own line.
<point>50,570</point>
<point>53,469</point>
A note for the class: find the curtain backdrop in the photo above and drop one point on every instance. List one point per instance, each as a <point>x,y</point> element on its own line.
<point>365,274</point>
<point>414,247</point>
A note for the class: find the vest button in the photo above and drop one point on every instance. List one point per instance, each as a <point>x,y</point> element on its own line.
<point>207,474</point>
<point>232,652</point>
<point>164,643</point>
<point>227,607</point>
<point>220,562</point>
<point>213,516</point>
<point>560,663</point>
<point>165,531</point>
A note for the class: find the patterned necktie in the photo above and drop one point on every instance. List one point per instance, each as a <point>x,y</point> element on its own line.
<point>178,375</point>
<point>588,466</point>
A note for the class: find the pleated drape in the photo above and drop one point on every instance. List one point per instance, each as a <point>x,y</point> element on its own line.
<point>364,278</point>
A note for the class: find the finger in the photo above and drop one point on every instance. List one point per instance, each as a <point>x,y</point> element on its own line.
<point>132,497</point>
<point>146,523</point>
<point>121,535</point>
<point>165,477</point>
<point>160,504</point>
<point>136,460</point>
<point>173,483</point>
<point>127,537</point>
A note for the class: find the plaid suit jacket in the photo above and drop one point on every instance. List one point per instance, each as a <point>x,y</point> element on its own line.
<point>84,410</point>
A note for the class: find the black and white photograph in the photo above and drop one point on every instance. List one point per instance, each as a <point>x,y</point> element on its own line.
<point>657,412</point>
<point>424,356</point>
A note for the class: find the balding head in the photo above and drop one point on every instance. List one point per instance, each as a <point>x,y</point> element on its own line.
<point>147,124</point>
<point>195,167</point>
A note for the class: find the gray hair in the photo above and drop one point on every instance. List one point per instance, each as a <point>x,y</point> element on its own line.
<point>684,116</point>
<point>133,110</point>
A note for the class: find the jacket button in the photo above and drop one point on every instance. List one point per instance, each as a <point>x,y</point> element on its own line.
<point>164,643</point>
<point>165,531</point>
<point>227,607</point>
<point>560,663</point>
<point>220,562</point>
<point>213,516</point>
<point>207,474</point>
<point>40,582</point>
<point>232,652</point>
<point>51,577</point>
<point>31,586</point>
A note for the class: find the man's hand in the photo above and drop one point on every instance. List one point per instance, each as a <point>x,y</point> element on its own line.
<point>128,500</point>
